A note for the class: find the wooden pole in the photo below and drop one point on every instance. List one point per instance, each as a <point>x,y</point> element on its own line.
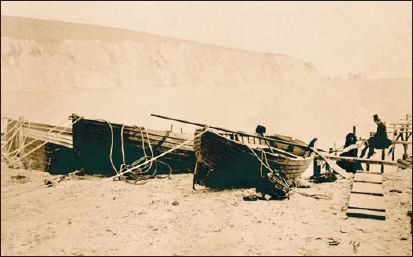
<point>382,157</point>
<point>231,131</point>
<point>354,131</point>
<point>316,168</point>
<point>20,137</point>
<point>362,160</point>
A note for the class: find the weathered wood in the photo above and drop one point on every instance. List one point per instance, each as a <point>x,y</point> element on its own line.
<point>368,202</point>
<point>92,143</point>
<point>50,138</point>
<point>397,124</point>
<point>230,163</point>
<point>402,142</point>
<point>398,131</point>
<point>367,214</point>
<point>20,137</point>
<point>316,151</point>
<point>362,160</point>
<point>368,177</point>
<point>316,168</point>
<point>47,127</point>
<point>367,188</point>
<point>230,131</point>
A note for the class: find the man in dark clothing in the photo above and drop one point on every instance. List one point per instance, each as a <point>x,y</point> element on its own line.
<point>260,130</point>
<point>379,140</point>
<point>350,166</point>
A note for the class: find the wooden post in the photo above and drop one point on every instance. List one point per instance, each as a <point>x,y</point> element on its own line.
<point>172,126</point>
<point>383,154</point>
<point>316,168</point>
<point>20,136</point>
<point>354,131</point>
<point>181,131</point>
<point>76,135</point>
<point>394,132</point>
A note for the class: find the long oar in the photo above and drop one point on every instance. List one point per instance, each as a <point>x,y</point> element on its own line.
<point>316,151</point>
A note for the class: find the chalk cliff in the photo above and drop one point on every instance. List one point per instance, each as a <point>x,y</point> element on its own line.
<point>43,55</point>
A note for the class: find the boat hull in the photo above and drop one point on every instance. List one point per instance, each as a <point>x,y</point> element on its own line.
<point>92,140</point>
<point>229,163</point>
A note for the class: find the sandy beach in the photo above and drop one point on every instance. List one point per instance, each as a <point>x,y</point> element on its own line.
<point>97,216</point>
<point>300,71</point>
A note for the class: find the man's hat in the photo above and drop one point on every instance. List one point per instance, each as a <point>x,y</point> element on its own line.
<point>376,117</point>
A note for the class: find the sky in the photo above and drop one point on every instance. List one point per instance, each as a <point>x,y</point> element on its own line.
<point>374,38</point>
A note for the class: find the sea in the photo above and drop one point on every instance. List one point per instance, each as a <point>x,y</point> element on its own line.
<point>327,110</point>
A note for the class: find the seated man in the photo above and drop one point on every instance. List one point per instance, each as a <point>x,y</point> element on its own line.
<point>347,165</point>
<point>379,140</point>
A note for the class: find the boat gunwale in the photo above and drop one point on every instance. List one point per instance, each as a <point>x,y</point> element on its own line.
<point>299,158</point>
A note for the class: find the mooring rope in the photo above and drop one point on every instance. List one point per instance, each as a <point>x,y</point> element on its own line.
<point>24,139</point>
<point>111,145</point>
<point>35,140</point>
<point>42,144</point>
<point>281,181</point>
<point>157,157</point>
<point>14,134</point>
<point>137,172</point>
<point>10,130</point>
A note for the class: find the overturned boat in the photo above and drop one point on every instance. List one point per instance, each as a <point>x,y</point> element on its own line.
<point>237,160</point>
<point>104,147</point>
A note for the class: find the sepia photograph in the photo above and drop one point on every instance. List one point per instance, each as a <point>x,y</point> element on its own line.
<point>197,128</point>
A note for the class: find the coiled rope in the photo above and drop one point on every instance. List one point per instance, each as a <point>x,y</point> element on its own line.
<point>130,169</point>
<point>137,172</point>
<point>277,177</point>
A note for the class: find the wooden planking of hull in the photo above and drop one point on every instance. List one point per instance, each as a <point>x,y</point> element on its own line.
<point>229,163</point>
<point>92,140</point>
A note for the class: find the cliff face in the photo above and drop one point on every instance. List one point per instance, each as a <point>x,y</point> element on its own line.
<point>42,55</point>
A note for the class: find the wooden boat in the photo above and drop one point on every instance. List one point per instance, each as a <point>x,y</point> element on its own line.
<point>232,160</point>
<point>92,143</point>
<point>55,156</point>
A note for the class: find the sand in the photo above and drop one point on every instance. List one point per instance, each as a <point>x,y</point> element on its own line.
<point>97,216</point>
